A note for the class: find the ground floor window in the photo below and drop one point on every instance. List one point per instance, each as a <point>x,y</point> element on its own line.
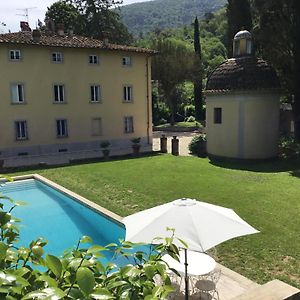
<point>128,125</point>
<point>21,130</point>
<point>61,128</point>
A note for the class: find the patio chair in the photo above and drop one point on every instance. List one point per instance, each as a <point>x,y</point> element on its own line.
<point>207,285</point>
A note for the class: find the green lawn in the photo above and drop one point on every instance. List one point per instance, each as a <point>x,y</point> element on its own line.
<point>266,195</point>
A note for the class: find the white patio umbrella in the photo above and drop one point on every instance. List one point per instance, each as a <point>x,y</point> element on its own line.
<point>201,225</point>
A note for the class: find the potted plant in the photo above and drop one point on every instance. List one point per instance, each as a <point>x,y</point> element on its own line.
<point>104,146</point>
<point>197,145</point>
<point>136,145</point>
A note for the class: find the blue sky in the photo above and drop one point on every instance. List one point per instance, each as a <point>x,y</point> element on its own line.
<point>10,11</point>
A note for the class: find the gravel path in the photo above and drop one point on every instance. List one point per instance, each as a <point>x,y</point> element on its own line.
<point>184,140</point>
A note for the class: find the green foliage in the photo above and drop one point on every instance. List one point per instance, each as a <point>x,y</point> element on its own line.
<point>282,49</point>
<point>196,144</point>
<point>171,67</point>
<point>161,14</point>
<point>136,140</point>
<point>27,274</point>
<point>189,110</point>
<point>64,13</point>
<point>190,119</point>
<point>198,77</point>
<point>289,148</point>
<point>90,18</point>
<point>104,144</point>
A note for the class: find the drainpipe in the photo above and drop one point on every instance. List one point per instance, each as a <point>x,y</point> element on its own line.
<point>148,100</point>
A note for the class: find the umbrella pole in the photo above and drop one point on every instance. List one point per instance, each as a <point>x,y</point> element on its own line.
<point>186,276</point>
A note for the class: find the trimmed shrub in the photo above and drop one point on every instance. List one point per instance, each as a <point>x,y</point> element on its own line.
<point>197,145</point>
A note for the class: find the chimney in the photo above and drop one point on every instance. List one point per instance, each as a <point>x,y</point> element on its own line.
<point>24,26</point>
<point>60,29</point>
<point>36,35</point>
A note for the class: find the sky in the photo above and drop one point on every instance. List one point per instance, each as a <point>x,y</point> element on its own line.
<point>10,12</point>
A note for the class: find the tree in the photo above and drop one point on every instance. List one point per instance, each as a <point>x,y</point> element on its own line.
<point>278,36</point>
<point>239,17</point>
<point>198,95</point>
<point>173,65</point>
<point>64,13</point>
<point>92,18</point>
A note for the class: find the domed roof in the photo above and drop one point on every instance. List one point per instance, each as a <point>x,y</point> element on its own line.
<point>242,73</point>
<point>243,34</point>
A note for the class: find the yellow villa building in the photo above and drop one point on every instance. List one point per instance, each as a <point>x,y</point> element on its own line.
<point>61,96</point>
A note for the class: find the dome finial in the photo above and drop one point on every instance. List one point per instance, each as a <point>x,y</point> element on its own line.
<point>242,44</point>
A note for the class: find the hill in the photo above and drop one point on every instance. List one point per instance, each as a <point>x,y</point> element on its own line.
<point>159,14</point>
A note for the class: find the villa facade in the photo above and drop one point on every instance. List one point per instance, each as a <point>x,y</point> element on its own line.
<point>61,96</point>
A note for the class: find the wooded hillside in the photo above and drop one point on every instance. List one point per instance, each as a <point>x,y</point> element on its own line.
<point>160,14</point>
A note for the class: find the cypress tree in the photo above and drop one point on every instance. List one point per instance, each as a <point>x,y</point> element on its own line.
<point>198,95</point>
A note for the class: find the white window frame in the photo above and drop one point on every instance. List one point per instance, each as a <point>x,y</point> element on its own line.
<point>17,93</point>
<point>128,124</point>
<point>93,59</point>
<point>61,128</point>
<point>57,57</point>
<point>100,132</point>
<point>15,54</point>
<point>21,130</point>
<point>59,96</point>
<point>127,61</point>
<point>95,93</point>
<point>127,93</point>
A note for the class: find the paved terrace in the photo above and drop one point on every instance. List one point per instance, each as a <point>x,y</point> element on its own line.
<point>233,286</point>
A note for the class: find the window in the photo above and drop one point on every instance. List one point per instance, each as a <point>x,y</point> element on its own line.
<point>236,50</point>
<point>217,115</point>
<point>249,46</point>
<point>95,93</point>
<point>94,59</point>
<point>21,130</point>
<point>128,125</point>
<point>14,54</point>
<point>127,93</point>
<point>126,61</point>
<point>59,93</point>
<point>17,93</point>
<point>96,126</point>
<point>61,128</point>
<point>57,57</point>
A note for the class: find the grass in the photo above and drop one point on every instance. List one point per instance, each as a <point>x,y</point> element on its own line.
<point>266,195</point>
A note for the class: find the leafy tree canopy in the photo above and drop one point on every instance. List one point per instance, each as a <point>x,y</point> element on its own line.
<point>92,18</point>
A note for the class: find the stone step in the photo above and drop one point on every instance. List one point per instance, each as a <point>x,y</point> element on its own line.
<point>272,290</point>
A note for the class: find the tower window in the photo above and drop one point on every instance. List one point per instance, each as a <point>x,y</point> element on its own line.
<point>248,46</point>
<point>217,115</point>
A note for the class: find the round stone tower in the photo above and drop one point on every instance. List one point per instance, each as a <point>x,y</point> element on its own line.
<point>242,105</point>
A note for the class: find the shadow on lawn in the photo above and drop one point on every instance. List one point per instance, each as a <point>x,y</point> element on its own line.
<point>291,165</point>
<point>43,166</point>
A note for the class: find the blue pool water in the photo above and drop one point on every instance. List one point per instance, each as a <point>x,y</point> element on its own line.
<point>58,218</point>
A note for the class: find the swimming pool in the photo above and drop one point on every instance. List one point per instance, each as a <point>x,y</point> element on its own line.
<point>58,217</point>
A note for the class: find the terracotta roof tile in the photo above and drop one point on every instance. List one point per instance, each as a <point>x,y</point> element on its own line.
<point>73,41</point>
<point>242,73</point>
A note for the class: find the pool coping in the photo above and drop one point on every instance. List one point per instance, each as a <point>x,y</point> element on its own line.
<point>96,207</point>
